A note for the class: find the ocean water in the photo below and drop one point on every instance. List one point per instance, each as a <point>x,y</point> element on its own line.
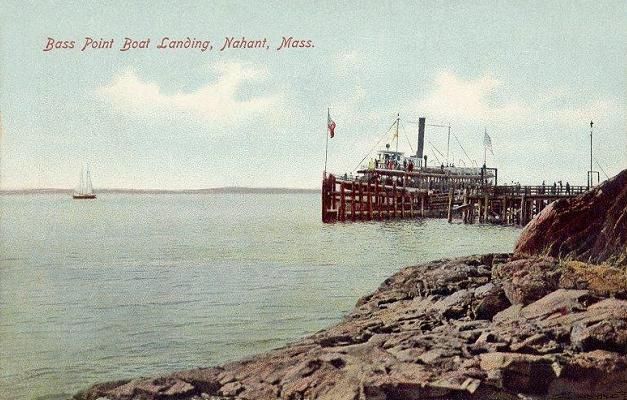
<point>135,284</point>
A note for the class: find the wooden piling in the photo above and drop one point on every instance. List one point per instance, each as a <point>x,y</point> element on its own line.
<point>450,204</point>
<point>377,197</point>
<point>466,207</point>
<point>342,202</point>
<point>369,202</point>
<point>523,210</point>
<point>353,215</point>
<point>394,197</point>
<point>361,201</point>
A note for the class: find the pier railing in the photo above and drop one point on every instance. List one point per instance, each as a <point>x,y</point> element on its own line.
<point>528,191</point>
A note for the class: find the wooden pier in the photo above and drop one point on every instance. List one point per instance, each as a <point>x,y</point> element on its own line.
<point>383,194</point>
<point>395,186</point>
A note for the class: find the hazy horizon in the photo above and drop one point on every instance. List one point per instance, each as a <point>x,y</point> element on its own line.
<point>113,189</point>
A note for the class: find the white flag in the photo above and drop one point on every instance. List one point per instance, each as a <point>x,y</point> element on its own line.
<point>487,142</point>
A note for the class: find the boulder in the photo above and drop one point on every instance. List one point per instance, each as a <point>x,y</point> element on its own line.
<point>591,228</point>
<point>527,280</point>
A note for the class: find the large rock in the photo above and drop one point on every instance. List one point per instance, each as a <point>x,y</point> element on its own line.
<point>527,280</point>
<point>590,228</point>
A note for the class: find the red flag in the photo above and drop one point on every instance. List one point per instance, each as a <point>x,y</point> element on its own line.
<point>330,125</point>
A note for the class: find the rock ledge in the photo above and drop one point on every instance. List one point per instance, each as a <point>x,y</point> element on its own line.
<point>467,328</point>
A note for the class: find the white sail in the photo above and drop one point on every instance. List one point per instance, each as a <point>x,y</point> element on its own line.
<point>88,187</point>
<point>81,185</point>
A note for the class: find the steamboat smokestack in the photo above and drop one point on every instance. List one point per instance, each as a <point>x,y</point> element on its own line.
<point>421,139</point>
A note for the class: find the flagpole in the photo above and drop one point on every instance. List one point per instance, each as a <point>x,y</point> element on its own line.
<point>485,146</point>
<point>326,146</point>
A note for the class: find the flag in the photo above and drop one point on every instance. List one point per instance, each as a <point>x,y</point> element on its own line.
<point>487,142</point>
<point>330,125</point>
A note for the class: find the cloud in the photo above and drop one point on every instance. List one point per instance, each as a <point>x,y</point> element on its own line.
<point>593,110</point>
<point>348,63</point>
<point>454,98</point>
<point>218,102</point>
<point>488,100</point>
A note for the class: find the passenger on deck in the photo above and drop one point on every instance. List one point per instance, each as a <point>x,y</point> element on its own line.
<point>567,188</point>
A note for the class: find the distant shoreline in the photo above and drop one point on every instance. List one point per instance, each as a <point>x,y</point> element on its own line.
<point>220,190</point>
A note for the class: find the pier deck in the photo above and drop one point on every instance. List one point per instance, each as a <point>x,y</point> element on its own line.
<point>397,194</point>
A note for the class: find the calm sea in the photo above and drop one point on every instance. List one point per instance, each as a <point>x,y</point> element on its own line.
<point>135,285</point>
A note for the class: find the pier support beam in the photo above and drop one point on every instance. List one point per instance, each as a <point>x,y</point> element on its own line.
<point>377,199</point>
<point>361,202</point>
<point>481,208</point>
<point>504,210</point>
<point>394,198</point>
<point>523,210</point>
<point>466,207</point>
<point>353,201</point>
<point>342,202</point>
<point>369,202</point>
<point>450,204</point>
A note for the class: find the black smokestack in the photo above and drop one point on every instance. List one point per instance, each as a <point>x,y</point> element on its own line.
<point>421,139</point>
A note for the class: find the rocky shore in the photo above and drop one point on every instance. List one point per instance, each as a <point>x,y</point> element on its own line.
<point>548,321</point>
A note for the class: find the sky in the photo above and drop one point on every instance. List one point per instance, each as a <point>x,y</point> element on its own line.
<point>533,74</point>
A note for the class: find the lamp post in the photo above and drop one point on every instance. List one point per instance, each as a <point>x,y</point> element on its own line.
<point>590,179</point>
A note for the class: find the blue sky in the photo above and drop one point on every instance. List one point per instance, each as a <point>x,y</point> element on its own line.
<point>533,73</point>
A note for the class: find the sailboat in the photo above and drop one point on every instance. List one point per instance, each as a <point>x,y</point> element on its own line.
<point>84,190</point>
